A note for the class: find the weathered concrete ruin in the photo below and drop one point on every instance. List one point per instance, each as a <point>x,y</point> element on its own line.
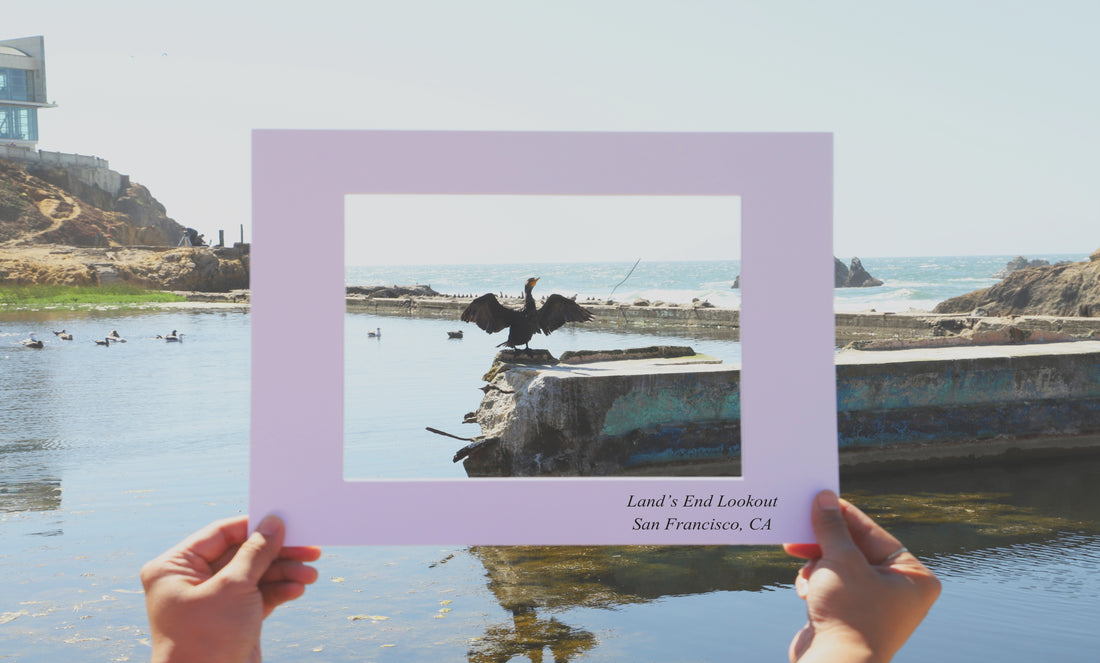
<point>677,413</point>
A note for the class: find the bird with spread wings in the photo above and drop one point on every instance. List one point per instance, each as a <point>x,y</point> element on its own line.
<point>492,316</point>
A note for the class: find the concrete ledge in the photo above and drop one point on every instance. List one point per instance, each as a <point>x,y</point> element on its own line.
<point>674,416</point>
<point>231,297</point>
<point>617,315</point>
<point>726,323</point>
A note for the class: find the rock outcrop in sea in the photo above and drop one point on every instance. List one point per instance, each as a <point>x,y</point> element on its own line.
<point>55,228</point>
<point>854,276</point>
<point>1064,289</point>
<point>1020,262</point>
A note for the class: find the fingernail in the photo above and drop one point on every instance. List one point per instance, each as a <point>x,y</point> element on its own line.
<point>270,525</point>
<point>827,501</point>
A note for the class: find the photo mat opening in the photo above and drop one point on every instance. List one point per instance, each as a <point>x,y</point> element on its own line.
<point>411,364</point>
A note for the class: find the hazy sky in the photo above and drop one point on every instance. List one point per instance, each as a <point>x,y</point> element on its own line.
<point>960,127</point>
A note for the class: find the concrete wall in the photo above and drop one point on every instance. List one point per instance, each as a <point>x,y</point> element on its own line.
<point>600,418</point>
<point>90,170</point>
<point>964,395</point>
<point>725,323</point>
<point>906,407</point>
<point>617,315</point>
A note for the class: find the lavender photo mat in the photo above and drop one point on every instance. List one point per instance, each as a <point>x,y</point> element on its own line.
<point>788,388</point>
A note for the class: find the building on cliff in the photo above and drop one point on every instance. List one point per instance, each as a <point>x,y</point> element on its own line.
<point>22,93</point>
<point>22,90</point>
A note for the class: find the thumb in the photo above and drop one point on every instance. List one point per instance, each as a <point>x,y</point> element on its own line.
<point>258,552</point>
<point>831,529</point>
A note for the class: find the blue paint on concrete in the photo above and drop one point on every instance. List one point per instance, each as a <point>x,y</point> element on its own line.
<point>685,401</point>
<point>890,403</point>
<point>966,381</point>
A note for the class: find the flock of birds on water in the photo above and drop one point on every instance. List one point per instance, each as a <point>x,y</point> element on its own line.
<point>36,343</point>
<point>485,311</point>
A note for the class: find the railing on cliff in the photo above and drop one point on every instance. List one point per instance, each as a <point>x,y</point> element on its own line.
<point>91,170</point>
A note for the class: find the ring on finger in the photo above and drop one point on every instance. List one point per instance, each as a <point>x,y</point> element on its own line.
<point>894,555</point>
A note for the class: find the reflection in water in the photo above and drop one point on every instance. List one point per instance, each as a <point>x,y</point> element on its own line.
<point>73,403</point>
<point>960,510</point>
<point>952,517</point>
<point>16,496</point>
<point>524,577</point>
<point>529,636</point>
<point>30,477</point>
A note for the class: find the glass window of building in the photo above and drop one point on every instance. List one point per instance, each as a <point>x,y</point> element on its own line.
<point>18,123</point>
<point>16,85</point>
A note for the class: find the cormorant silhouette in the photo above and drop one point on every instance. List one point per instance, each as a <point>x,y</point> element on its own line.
<point>492,316</point>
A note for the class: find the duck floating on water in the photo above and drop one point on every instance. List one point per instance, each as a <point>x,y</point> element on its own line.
<point>32,342</point>
<point>454,334</point>
<point>113,336</point>
<point>63,335</point>
<point>106,341</point>
<point>377,333</point>
<point>173,337</point>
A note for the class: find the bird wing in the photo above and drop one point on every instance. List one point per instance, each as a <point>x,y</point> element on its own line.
<point>489,314</point>
<point>559,310</point>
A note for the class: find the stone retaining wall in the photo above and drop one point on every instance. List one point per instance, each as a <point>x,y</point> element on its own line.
<point>900,408</point>
<point>90,170</point>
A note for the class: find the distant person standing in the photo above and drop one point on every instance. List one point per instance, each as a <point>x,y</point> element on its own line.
<point>191,237</point>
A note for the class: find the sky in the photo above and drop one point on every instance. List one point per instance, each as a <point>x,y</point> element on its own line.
<point>960,128</point>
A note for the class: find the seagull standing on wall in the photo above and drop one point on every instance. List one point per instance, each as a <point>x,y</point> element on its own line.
<point>492,316</point>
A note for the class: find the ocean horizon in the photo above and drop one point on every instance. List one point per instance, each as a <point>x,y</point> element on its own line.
<point>915,283</point>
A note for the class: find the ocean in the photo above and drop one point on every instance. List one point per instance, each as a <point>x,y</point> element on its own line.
<point>910,283</point>
<point>110,455</point>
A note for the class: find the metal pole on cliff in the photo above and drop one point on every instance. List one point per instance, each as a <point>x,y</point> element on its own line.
<point>242,233</point>
<point>221,238</point>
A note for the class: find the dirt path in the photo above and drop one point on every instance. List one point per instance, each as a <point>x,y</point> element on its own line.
<point>60,211</point>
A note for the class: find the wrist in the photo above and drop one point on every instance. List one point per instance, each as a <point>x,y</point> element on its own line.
<point>842,647</point>
<point>167,650</point>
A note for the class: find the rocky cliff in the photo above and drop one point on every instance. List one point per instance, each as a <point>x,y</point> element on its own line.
<point>1067,289</point>
<point>56,229</point>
